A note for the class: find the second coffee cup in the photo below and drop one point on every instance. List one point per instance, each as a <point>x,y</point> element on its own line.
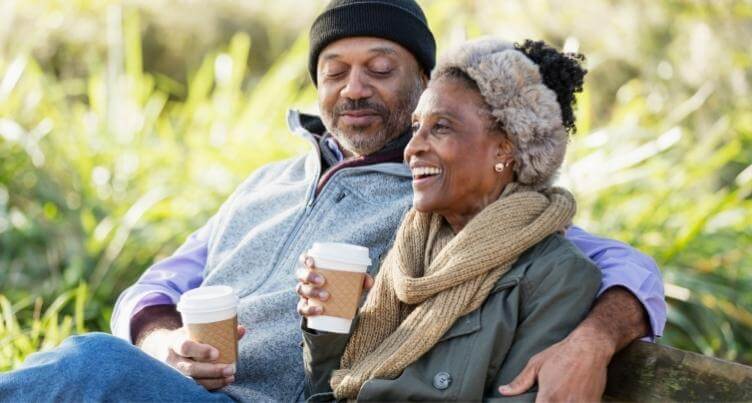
<point>343,266</point>
<point>210,317</point>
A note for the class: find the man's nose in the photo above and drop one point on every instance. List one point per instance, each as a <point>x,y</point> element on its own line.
<point>357,86</point>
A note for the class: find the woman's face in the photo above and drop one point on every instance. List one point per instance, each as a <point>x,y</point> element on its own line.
<point>453,151</point>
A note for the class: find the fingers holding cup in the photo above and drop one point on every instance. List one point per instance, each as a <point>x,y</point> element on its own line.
<point>308,291</point>
<point>306,272</point>
<point>306,310</point>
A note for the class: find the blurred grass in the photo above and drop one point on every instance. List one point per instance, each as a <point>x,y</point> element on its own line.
<point>44,330</point>
<point>112,151</point>
<point>103,173</point>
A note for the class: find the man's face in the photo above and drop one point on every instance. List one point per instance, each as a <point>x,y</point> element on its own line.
<point>368,88</point>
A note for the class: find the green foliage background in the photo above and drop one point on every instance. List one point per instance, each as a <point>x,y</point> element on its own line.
<point>123,126</point>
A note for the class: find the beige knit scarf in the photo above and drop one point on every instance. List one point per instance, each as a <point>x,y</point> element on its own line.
<point>416,299</point>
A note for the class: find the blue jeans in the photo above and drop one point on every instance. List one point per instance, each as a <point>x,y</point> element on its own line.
<point>99,367</point>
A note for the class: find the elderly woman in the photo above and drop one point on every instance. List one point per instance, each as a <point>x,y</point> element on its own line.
<point>479,278</point>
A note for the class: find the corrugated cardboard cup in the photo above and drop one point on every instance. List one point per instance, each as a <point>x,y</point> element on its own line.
<point>210,317</point>
<point>343,266</point>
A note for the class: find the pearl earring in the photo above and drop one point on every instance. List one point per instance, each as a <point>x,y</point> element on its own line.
<point>500,167</point>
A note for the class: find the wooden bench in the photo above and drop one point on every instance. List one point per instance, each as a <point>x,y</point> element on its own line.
<point>647,372</point>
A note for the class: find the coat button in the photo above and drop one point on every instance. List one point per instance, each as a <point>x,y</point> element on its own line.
<point>442,380</point>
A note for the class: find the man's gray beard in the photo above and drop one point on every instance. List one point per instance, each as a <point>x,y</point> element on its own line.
<point>360,143</point>
<point>394,125</point>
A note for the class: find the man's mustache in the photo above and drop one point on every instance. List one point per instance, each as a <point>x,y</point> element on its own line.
<point>349,105</point>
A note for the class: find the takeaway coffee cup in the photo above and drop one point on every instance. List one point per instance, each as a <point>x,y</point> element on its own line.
<point>210,317</point>
<point>343,266</point>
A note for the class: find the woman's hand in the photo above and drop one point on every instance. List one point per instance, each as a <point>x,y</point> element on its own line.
<point>192,359</point>
<point>309,287</point>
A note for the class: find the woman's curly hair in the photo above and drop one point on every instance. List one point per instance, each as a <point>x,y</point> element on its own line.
<point>561,72</point>
<point>530,92</point>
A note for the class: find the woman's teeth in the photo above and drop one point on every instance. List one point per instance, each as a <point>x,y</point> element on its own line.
<point>422,172</point>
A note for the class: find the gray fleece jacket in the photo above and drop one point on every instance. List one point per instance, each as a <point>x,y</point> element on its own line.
<point>260,232</point>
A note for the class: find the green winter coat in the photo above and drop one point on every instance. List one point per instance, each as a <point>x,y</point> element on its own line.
<point>542,298</point>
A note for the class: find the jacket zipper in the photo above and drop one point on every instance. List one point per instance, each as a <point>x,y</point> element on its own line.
<point>298,222</point>
<point>311,199</point>
<point>310,204</point>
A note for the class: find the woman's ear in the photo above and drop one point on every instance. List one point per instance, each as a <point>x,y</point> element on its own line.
<point>505,151</point>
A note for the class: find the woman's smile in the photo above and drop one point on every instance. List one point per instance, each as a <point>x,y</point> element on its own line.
<point>425,176</point>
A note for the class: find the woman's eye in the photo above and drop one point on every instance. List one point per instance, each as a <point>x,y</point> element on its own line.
<point>441,128</point>
<point>415,127</point>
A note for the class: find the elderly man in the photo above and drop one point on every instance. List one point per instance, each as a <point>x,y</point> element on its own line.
<point>370,60</point>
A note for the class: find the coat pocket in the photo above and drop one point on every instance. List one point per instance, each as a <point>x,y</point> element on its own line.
<point>465,325</point>
<point>505,283</point>
<point>471,322</point>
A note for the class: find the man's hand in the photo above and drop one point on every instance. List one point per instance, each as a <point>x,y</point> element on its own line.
<point>193,359</point>
<point>575,368</point>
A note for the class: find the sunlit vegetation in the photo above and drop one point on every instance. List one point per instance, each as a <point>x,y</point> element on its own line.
<point>124,126</point>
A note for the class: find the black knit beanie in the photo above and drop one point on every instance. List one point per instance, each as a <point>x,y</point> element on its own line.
<point>400,21</point>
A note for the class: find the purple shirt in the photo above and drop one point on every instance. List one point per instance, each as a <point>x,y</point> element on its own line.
<point>620,264</point>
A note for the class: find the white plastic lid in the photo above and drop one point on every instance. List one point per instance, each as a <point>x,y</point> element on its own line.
<point>341,252</point>
<point>207,299</point>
